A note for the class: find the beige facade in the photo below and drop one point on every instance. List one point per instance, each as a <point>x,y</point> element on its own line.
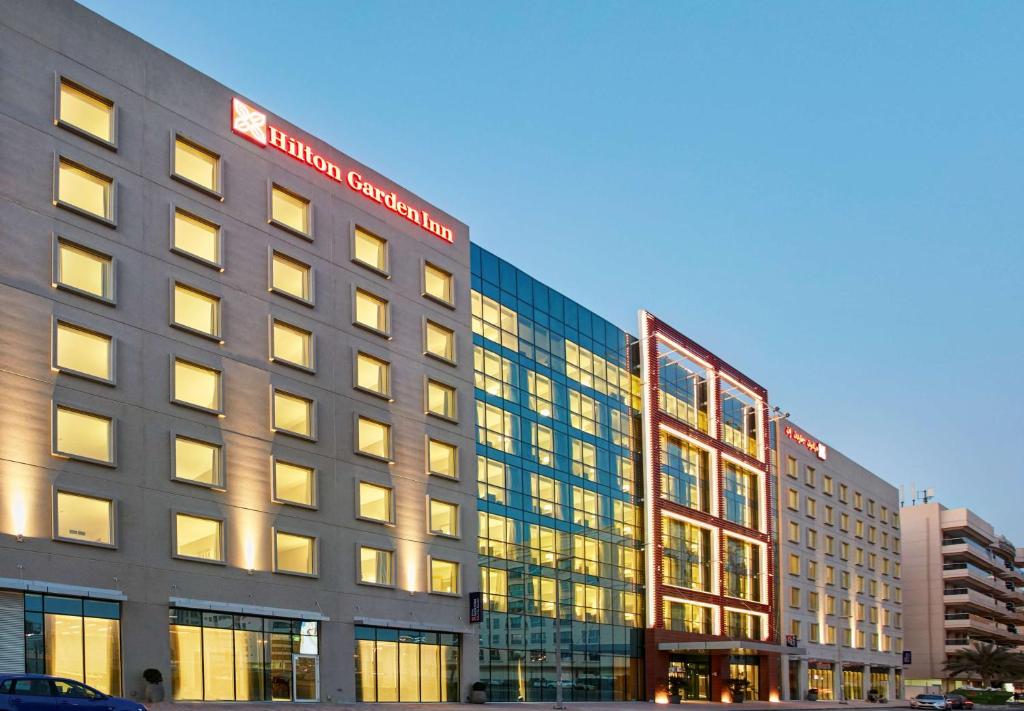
<point>236,391</point>
<point>964,583</point>
<point>841,587</point>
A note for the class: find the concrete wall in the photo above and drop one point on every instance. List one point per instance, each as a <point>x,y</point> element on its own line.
<point>157,95</point>
<point>924,606</point>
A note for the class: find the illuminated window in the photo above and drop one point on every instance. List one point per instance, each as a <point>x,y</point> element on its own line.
<point>83,271</point>
<point>376,502</point>
<point>740,418</point>
<point>199,538</point>
<point>444,518</point>
<point>83,435</point>
<point>491,479</point>
<point>494,586</point>
<point>791,467</point>
<point>547,495</point>
<point>441,400</point>
<point>80,351</point>
<point>794,564</point>
<point>291,277</point>
<point>294,553</point>
<point>687,555</point>
<point>196,311</point>
<point>794,532</point>
<point>544,439</point>
<point>376,566</point>
<point>437,284</point>
<point>687,617</point>
<point>794,597</point>
<point>584,459</point>
<point>541,397</point>
<point>494,427</point>
<point>492,372</point>
<point>439,341</point>
<point>290,211</point>
<point>197,461</point>
<point>195,237</point>
<point>583,413</point>
<point>444,576</point>
<point>196,166</point>
<point>293,414</point>
<point>442,459</point>
<point>741,493</point>
<point>370,312</point>
<point>84,519</point>
<point>370,250</point>
<point>373,438</point>
<point>85,191</point>
<point>196,385</point>
<point>685,473</point>
<point>373,374</point>
<point>294,483</point>
<point>586,507</point>
<point>291,345</point>
<point>85,112</point>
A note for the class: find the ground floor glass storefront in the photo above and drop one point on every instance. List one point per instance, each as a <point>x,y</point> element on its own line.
<point>748,668</point>
<point>853,684</point>
<point>690,677</point>
<point>821,677</point>
<point>406,665</point>
<point>219,656</point>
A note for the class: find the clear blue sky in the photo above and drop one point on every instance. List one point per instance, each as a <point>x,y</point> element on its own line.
<point>829,195</point>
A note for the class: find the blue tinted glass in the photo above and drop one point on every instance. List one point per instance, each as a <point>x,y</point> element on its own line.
<point>101,608</point>
<point>524,288</point>
<point>489,268</point>
<point>62,605</point>
<point>33,602</point>
<point>508,277</point>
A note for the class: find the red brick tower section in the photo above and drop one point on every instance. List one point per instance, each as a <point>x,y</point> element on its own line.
<point>653,332</point>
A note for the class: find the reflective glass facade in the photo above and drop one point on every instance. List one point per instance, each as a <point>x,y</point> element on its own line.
<point>557,408</point>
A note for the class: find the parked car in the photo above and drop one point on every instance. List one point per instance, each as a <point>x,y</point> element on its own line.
<point>958,701</point>
<point>928,701</point>
<point>39,692</point>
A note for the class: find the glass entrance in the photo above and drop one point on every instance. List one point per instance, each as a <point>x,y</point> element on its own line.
<point>748,668</point>
<point>306,677</point>
<point>690,677</point>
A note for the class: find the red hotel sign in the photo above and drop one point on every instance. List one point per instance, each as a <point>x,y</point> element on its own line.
<point>817,447</point>
<point>251,124</point>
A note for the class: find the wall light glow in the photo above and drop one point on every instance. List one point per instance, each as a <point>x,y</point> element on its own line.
<point>19,514</point>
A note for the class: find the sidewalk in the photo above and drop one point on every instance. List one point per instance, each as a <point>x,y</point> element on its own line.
<point>538,706</point>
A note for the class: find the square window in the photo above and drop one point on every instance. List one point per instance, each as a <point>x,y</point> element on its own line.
<point>370,250</point>
<point>294,553</point>
<point>197,461</point>
<point>196,385</point>
<point>83,435</point>
<point>196,238</point>
<point>441,400</point>
<point>80,351</point>
<point>370,311</point>
<point>291,277</point>
<point>293,414</point>
<point>199,538</point>
<point>294,483</point>
<point>444,576</point>
<point>84,519</point>
<point>85,191</point>
<point>85,112</point>
<point>444,518</point>
<point>83,270</point>
<point>373,438</point>
<point>376,566</point>
<point>291,345</point>
<point>373,374</point>
<point>376,502</point>
<point>196,311</point>
<point>196,166</point>
<point>290,211</point>
<point>442,458</point>
<point>439,341</point>
<point>437,284</point>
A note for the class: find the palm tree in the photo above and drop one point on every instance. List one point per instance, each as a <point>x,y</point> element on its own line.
<point>986,661</point>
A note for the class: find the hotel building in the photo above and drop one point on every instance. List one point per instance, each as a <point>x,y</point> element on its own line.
<point>964,583</point>
<point>841,581</point>
<point>237,424</point>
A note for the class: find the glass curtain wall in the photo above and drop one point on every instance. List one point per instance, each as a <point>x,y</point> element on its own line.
<point>406,665</point>
<point>557,406</point>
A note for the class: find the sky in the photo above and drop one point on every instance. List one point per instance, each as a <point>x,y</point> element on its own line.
<point>830,196</point>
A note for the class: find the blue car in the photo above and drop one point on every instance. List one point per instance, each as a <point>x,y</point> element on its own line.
<point>38,692</point>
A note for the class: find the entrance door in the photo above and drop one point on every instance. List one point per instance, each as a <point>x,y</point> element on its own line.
<point>691,676</point>
<point>306,677</point>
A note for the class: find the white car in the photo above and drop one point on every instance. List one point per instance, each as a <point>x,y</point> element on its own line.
<point>928,701</point>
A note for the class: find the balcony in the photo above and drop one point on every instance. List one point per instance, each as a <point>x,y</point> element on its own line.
<point>960,572</point>
<point>965,622</point>
<point>975,600</point>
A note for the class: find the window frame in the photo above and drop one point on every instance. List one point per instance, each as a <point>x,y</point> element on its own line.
<point>111,221</point>
<point>386,333</point>
<point>424,264</point>
<point>315,488</point>
<point>220,386</point>
<point>430,576</point>
<point>217,192</point>
<point>112,521</point>
<point>311,301</point>
<point>454,417</point>
<point>386,271</point>
<point>311,368</point>
<point>356,352</point>
<point>313,423</point>
<point>221,484</point>
<point>359,561</point>
<point>223,560</point>
<point>60,79</point>
<point>271,185</point>
<point>454,360</point>
<point>217,335</point>
<point>57,322</point>
<point>275,567</point>
<point>111,437</point>
<point>219,263</point>
<point>458,518</point>
<point>55,277</point>
<point>355,438</point>
<point>428,438</point>
<point>392,508</point>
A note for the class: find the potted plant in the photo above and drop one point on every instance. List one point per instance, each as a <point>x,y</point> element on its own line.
<point>478,693</point>
<point>738,688</point>
<point>812,694</point>
<point>873,695</point>
<point>674,697</point>
<point>154,685</point>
